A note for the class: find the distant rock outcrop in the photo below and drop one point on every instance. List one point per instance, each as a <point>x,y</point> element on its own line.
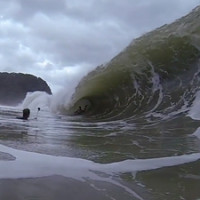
<point>14,86</point>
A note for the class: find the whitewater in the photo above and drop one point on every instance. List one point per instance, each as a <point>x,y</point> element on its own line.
<point>137,138</point>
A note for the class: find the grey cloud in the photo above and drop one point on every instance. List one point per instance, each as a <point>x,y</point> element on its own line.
<point>25,9</point>
<point>69,33</point>
<point>70,41</point>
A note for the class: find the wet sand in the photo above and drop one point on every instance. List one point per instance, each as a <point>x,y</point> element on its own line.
<point>59,188</point>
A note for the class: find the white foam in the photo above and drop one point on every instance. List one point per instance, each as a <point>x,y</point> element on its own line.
<point>194,112</point>
<point>197,133</point>
<point>33,100</point>
<point>29,164</point>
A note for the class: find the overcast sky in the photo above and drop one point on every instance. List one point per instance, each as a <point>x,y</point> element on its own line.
<point>60,40</point>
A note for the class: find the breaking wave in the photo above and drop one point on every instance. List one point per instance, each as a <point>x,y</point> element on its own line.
<point>156,76</point>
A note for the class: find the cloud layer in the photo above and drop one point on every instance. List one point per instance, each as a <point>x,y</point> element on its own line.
<point>62,40</point>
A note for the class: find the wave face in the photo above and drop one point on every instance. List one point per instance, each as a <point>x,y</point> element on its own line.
<point>157,74</point>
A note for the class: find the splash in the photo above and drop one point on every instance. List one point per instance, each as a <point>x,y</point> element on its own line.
<point>33,100</point>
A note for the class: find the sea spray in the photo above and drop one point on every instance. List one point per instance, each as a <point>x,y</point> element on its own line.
<point>33,100</point>
<point>60,100</point>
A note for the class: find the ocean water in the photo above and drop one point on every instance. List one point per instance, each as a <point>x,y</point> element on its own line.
<point>138,138</point>
<point>144,161</point>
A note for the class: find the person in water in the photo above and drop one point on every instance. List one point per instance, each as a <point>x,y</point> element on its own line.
<point>26,114</point>
<point>80,110</point>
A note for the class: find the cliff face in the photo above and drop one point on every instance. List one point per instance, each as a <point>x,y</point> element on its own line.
<point>14,86</point>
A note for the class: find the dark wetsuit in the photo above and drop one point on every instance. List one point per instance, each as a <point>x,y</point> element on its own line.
<point>80,110</point>
<point>26,114</point>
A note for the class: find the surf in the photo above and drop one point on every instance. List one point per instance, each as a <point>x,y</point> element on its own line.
<point>156,75</point>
